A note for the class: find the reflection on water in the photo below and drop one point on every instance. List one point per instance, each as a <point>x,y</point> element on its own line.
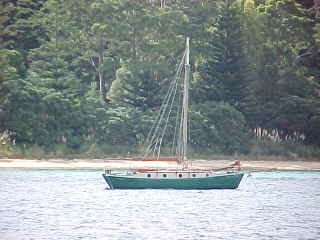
<point>66,204</point>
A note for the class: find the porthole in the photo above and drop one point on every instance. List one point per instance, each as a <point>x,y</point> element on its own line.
<point>164,175</point>
<point>180,175</point>
<point>193,175</point>
<point>149,175</point>
<point>207,174</point>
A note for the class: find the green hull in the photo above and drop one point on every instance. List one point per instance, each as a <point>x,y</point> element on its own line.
<point>226,181</point>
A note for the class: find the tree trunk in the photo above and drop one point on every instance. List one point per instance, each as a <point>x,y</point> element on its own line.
<point>102,80</point>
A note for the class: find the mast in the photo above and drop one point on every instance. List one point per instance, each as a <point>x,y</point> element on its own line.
<point>185,106</point>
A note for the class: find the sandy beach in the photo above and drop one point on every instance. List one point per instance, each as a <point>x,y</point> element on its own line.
<point>258,165</point>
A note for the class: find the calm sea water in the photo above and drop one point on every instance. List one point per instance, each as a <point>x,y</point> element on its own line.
<point>74,204</point>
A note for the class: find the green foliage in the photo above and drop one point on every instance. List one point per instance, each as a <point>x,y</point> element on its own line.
<point>88,77</point>
<point>17,29</point>
<point>224,73</point>
<point>137,87</point>
<point>283,95</point>
<point>220,127</point>
<point>11,68</point>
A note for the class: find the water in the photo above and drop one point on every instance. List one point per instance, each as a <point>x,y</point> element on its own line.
<point>74,204</point>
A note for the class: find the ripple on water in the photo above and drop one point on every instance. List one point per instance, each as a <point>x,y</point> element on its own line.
<point>68,205</point>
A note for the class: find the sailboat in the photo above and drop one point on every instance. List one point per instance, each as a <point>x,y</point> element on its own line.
<point>184,176</point>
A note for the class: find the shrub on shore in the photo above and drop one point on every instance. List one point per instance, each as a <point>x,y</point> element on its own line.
<point>259,149</point>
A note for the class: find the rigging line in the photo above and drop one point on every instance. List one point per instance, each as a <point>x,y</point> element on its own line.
<point>180,148</point>
<point>169,105</point>
<point>178,130</point>
<point>175,137</point>
<point>156,134</point>
<point>154,130</point>
<point>179,140</point>
<point>168,116</point>
<point>181,133</point>
<point>187,71</point>
<point>172,97</point>
<point>157,119</point>
<point>184,118</point>
<point>155,126</point>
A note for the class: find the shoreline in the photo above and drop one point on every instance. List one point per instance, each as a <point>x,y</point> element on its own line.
<point>83,164</point>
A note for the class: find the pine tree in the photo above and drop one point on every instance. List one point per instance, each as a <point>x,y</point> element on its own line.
<point>224,73</point>
<point>139,86</point>
<point>18,30</point>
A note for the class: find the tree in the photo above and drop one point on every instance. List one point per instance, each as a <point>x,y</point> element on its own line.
<point>219,127</point>
<point>281,87</point>
<point>139,86</point>
<point>94,33</point>
<point>224,74</point>
<point>10,67</point>
<point>150,59</point>
<point>44,104</point>
<point>18,31</point>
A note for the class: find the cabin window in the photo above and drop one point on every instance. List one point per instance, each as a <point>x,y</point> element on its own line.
<point>193,175</point>
<point>164,175</point>
<point>180,175</point>
<point>149,175</point>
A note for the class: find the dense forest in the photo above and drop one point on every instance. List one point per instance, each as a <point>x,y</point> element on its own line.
<point>88,76</point>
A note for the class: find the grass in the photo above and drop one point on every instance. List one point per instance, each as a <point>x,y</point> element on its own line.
<point>289,150</point>
<point>260,149</point>
<point>86,151</point>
